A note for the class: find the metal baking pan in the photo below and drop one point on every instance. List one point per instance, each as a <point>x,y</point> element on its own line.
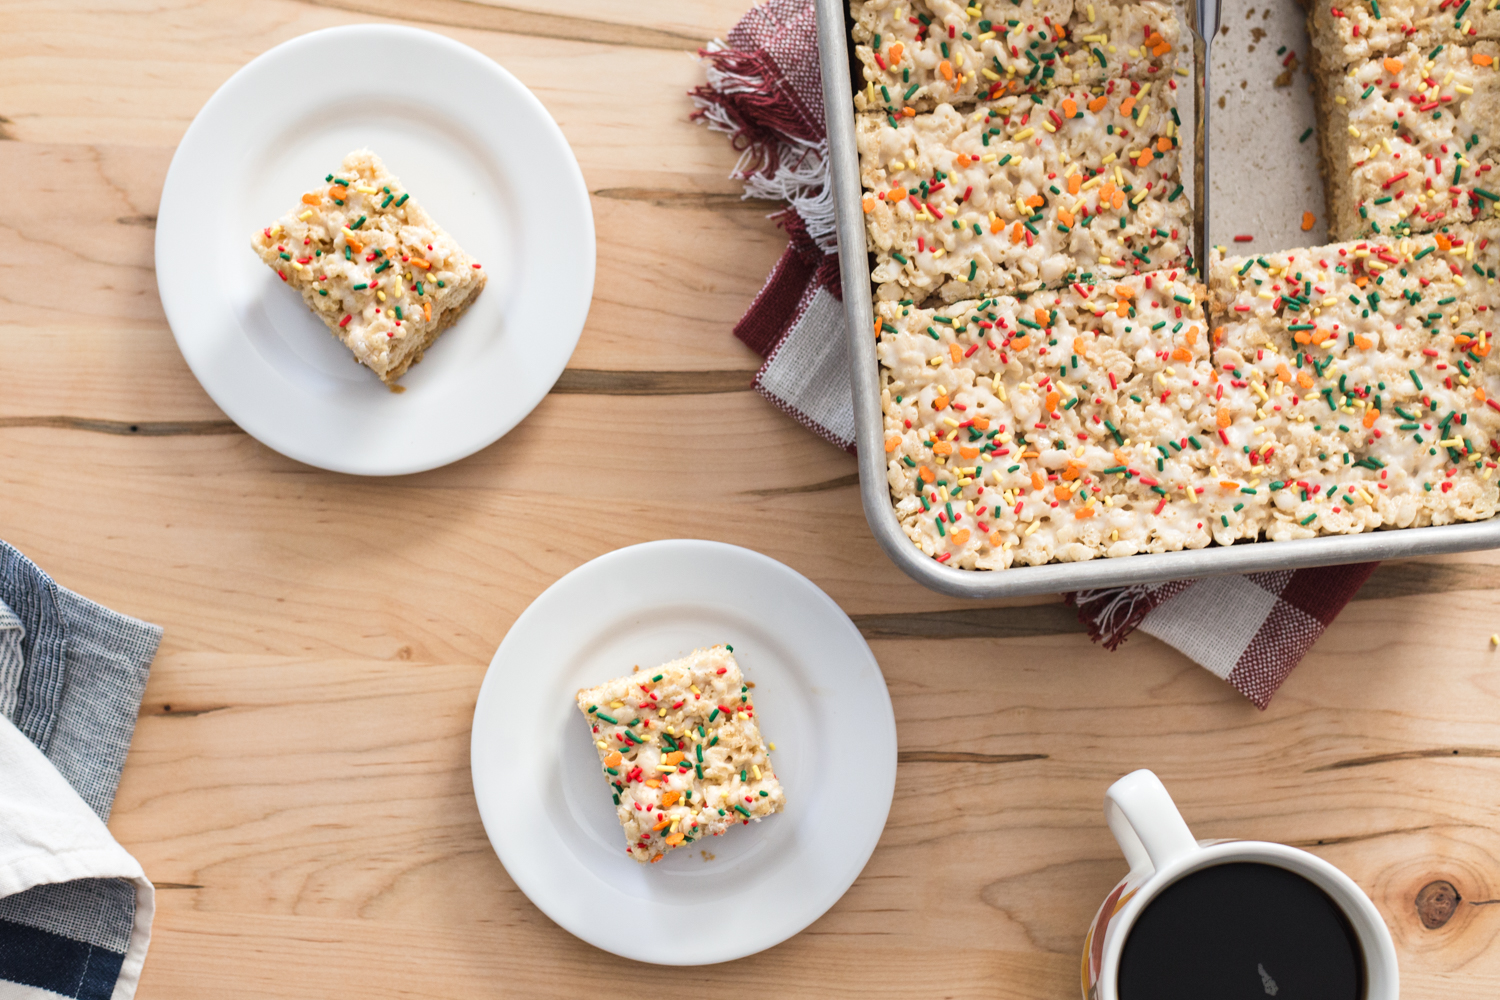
<point>1246,557</point>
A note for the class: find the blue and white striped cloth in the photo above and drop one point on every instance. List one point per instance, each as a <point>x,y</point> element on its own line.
<point>75,908</point>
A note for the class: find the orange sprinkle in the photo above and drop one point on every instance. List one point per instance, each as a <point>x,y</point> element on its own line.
<point>1037,481</point>
<point>427,312</point>
<point>420,263</point>
<point>1015,234</point>
<point>669,797</point>
<point>1283,372</point>
<point>1035,201</point>
<point>1127,106</point>
<point>653,783</point>
<point>1163,144</point>
<point>869,204</point>
<point>982,423</point>
<point>1182,354</point>
<point>956,353</point>
<point>1144,159</point>
<point>962,159</point>
<point>960,536</point>
<point>1223,417</point>
<point>1124,292</point>
<point>1069,107</point>
<point>946,68</point>
<point>942,448</point>
<point>657,858</point>
<point>675,838</point>
<point>1442,241</point>
<point>1053,398</point>
<point>1480,59</point>
<point>941,403</point>
<point>675,757</point>
<point>1479,395</point>
<point>896,50</point>
<point>1219,333</point>
<point>1062,493</point>
<point>1122,308</point>
<point>909,112</point>
<point>895,194</point>
<point>967,452</point>
<point>1065,216</point>
<point>613,759</point>
<point>1392,66</point>
<point>925,474</point>
<point>355,244</point>
<point>892,443</point>
<point>1083,512</point>
<point>1301,337</point>
<point>1041,317</point>
<point>1362,342</point>
<point>312,199</point>
<point>662,825</point>
<point>1020,343</point>
<point>1370,415</point>
<point>1304,380</point>
<point>997,227</point>
<point>339,192</point>
<point>996,538</point>
<point>1307,221</point>
<point>1191,336</point>
<point>1075,183</point>
<point>1097,104</point>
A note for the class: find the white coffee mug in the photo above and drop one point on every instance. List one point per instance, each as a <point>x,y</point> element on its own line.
<point>1160,850</point>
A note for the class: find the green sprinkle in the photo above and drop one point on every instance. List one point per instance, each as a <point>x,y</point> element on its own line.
<point>1307,520</point>
<point>1415,381</point>
<point>388,199</point>
<point>611,721</point>
<point>361,222</point>
<point>742,809</point>
<point>360,288</point>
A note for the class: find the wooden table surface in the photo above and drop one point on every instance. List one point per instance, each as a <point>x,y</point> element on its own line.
<point>299,782</point>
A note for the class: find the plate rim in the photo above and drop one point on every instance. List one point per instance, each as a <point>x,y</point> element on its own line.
<point>184,332</point>
<point>532,884</point>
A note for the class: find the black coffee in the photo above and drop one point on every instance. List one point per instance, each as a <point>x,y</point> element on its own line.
<point>1242,931</point>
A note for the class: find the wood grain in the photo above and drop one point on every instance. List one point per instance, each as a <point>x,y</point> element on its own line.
<point>299,786</point>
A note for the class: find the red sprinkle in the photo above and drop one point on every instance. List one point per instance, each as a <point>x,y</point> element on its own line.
<point>1243,239</point>
<point>345,321</point>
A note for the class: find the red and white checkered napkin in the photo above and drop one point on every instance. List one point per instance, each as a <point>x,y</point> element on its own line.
<point>764,91</point>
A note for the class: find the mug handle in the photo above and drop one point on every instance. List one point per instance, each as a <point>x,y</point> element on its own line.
<point>1145,821</point>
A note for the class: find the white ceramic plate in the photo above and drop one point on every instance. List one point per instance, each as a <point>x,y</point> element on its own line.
<point>819,696</point>
<point>480,153</point>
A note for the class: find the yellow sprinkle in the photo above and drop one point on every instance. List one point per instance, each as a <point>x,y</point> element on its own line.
<point>988,158</point>
<point>1049,126</point>
<point>755,770</point>
<point>773,746</point>
<point>601,744</point>
<point>1108,159</point>
<point>990,74</point>
<point>1495,640</point>
<point>666,767</point>
<point>1451,443</point>
<point>1354,131</point>
<point>381,295</point>
<point>305,215</point>
<point>1091,13</point>
<point>362,189</point>
<point>1024,134</point>
<point>1034,525</point>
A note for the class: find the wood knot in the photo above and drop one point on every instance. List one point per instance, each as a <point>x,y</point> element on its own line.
<point>1436,903</point>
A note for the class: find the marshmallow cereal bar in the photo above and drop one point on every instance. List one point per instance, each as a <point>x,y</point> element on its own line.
<point>372,265</point>
<point>682,751</point>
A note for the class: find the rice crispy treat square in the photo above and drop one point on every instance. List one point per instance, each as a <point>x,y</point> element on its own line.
<point>1345,33</point>
<point>1027,192</point>
<point>372,265</point>
<point>1072,425</point>
<point>1411,139</point>
<point>929,52</point>
<point>682,751</point>
<point>1369,358</point>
